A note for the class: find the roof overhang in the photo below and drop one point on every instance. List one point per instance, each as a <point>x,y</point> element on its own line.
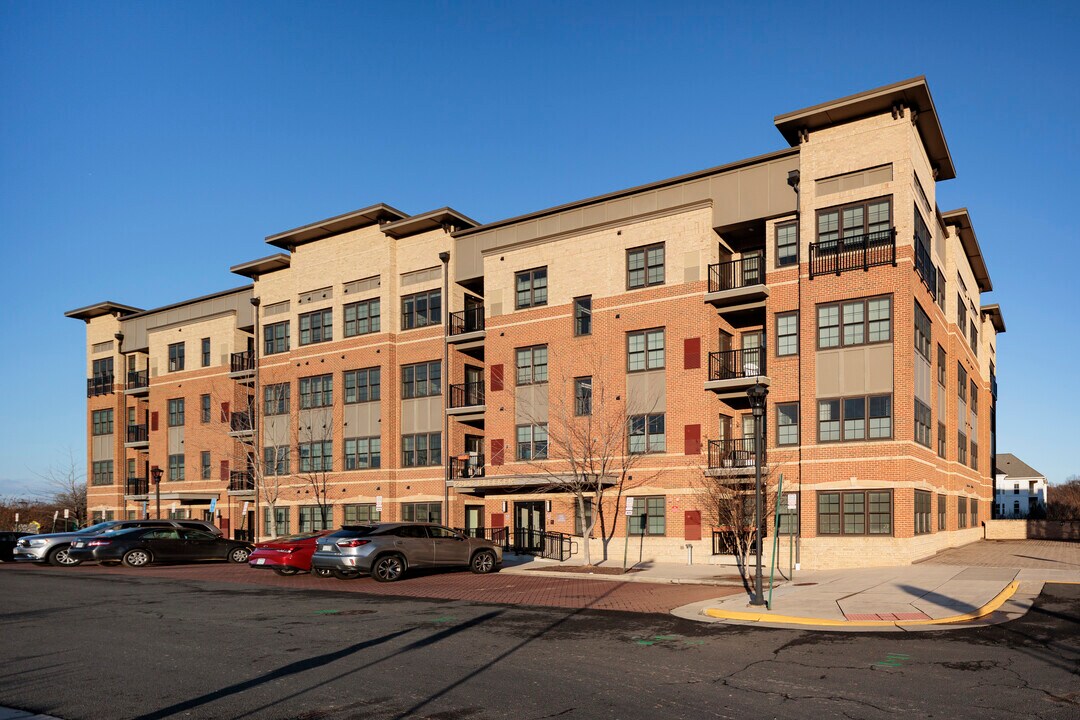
<point>375,214</point>
<point>446,218</point>
<point>262,266</point>
<point>961,220</point>
<point>993,313</point>
<point>911,95</point>
<point>90,312</point>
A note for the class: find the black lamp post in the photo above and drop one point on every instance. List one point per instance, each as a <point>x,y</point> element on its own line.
<point>155,475</point>
<point>757,394</point>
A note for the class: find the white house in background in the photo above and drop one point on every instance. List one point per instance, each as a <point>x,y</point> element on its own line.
<point>1018,488</point>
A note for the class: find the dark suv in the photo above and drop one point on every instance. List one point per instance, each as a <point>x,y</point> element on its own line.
<point>52,548</point>
<point>387,551</point>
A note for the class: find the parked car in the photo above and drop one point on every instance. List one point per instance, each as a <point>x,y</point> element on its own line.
<point>137,547</point>
<point>52,548</point>
<point>387,551</point>
<point>287,555</point>
<point>7,544</point>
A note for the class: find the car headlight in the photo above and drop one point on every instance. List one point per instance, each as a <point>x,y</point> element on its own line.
<point>39,543</point>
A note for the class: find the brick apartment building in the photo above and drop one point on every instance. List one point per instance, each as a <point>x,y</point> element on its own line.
<point>825,271</point>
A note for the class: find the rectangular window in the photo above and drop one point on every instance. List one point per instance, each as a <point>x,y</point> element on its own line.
<point>922,423</point>
<point>862,322</point>
<point>961,313</point>
<point>532,442</point>
<point>922,512</point>
<point>422,512</point>
<point>316,456</point>
<point>530,288</point>
<point>101,472</point>
<point>828,420</point>
<point>176,412</point>
<point>854,418</point>
<point>362,514</point>
<point>942,442</point>
<point>828,326</point>
<point>580,523</point>
<point>362,318</point>
<point>859,512</point>
<point>103,368</point>
<point>648,516</point>
<point>941,369</point>
<point>787,424</point>
<point>961,382</point>
<point>787,334</point>
<point>583,396</point>
<point>204,408</point>
<point>276,399</point>
<point>421,310</point>
<point>941,512</point>
<point>204,464</point>
<point>645,266</point>
<point>787,245</point>
<point>317,391</point>
<point>645,350</point>
<point>276,460</point>
<point>316,327</point>
<point>102,422</point>
<point>858,418</point>
<point>206,352</point>
<point>131,468</point>
<point>647,434</point>
<point>176,357</point>
<point>364,385</point>
<point>532,365</point>
<point>583,315</point>
<point>922,332</point>
<point>362,453</point>
<point>421,450</point>
<point>281,528</point>
<point>276,338</point>
<point>961,512</point>
<point>974,337</point>
<point>961,448</point>
<point>316,517</point>
<point>974,400</point>
<point>421,380</point>
<point>828,513</point>
<point>940,290</point>
<point>866,222</point>
<point>176,467</point>
<point>974,505</point>
<point>974,455</point>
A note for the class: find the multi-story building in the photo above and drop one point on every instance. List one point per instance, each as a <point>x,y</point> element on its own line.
<point>1019,489</point>
<point>824,271</point>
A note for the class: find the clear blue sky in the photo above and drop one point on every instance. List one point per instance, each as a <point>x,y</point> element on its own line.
<point>146,147</point>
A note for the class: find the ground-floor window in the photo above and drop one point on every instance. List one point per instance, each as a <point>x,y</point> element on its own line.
<point>922,512</point>
<point>581,523</point>
<point>647,517</point>
<point>941,504</point>
<point>860,512</point>
<point>281,515</point>
<point>316,517</point>
<point>180,514</point>
<point>362,513</point>
<point>974,512</point>
<point>421,512</point>
<point>961,512</point>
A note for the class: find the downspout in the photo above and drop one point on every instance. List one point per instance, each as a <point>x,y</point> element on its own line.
<point>253,412</point>
<point>793,180</point>
<point>121,414</point>
<point>445,258</point>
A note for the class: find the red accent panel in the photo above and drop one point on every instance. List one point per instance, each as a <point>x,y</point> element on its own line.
<point>153,421</point>
<point>224,412</point>
<point>224,471</point>
<point>496,378</point>
<point>497,520</point>
<point>692,525</point>
<point>691,353</point>
<point>692,440</point>
<point>497,452</point>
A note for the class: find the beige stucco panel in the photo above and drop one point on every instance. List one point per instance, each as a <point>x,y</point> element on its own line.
<point>315,425</point>
<point>849,372</point>
<point>531,404</point>
<point>646,392</point>
<point>101,447</point>
<point>276,431</point>
<point>176,440</point>
<point>421,415</point>
<point>363,419</point>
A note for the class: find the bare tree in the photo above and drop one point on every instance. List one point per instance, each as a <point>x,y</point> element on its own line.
<point>1063,501</point>
<point>64,485</point>
<point>315,456</point>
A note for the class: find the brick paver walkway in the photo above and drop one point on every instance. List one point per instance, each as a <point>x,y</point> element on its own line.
<point>497,588</point>
<point>1023,554</point>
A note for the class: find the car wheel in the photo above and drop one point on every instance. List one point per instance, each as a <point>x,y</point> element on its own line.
<point>343,574</point>
<point>322,572</point>
<point>388,568</point>
<point>137,558</point>
<point>483,562</point>
<point>239,555</point>
<point>285,571</point>
<point>60,556</point>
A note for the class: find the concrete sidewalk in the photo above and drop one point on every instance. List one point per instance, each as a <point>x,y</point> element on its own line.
<point>647,572</point>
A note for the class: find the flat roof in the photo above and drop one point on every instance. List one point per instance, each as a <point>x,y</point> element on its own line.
<point>425,222</point>
<point>961,219</point>
<point>996,318</point>
<point>262,266</point>
<point>211,296</point>
<point>374,214</point>
<point>914,94</point>
<point>107,307</point>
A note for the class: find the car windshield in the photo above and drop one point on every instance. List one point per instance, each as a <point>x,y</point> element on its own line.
<point>99,528</point>
<point>122,531</point>
<point>297,538</point>
<point>353,531</point>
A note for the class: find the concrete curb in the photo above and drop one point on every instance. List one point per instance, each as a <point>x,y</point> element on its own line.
<point>630,577</point>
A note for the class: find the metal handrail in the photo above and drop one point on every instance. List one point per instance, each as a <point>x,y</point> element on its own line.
<point>137,486</point>
<point>733,364</point>
<point>467,321</point>
<point>468,394</point>
<point>734,453</point>
<point>99,385</point>
<point>138,379</point>
<point>472,466</point>
<point>855,252</point>
<point>242,361</point>
<point>241,421</point>
<point>924,265</point>
<point>137,433</point>
<point>240,480</point>
<point>740,273</point>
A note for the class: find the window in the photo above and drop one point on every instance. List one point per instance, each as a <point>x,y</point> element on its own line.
<point>922,423</point>
<point>828,326</point>
<point>316,517</point>
<point>421,450</point>
<point>421,512</point>
<point>276,460</point>
<point>647,434</point>
<point>362,453</point>
<point>131,468</point>
<point>863,322</point>
<point>941,512</point>
<point>974,455</point>
<point>583,315</point>
<point>276,338</point>
<point>176,357</point>
<point>364,385</point>
<point>974,505</point>
<point>645,266</point>
<point>276,399</point>
<point>787,334</point>
<point>281,522</point>
<point>420,380</point>
<point>316,327</point>
<point>421,310</point>
<point>974,338</point>
<point>922,512</point>
<point>581,523</point>
<point>861,222</point>
<point>974,399</point>
<point>854,418</point>
<point>532,365</point>
<point>103,368</point>
<point>101,472</point>
<point>531,288</point>
<point>361,514</point>
<point>647,516</point>
<point>204,408</point>
<point>317,391</point>
<point>787,424</point>
<point>922,332</point>
<point>176,467</point>
<point>940,290</point>
<point>787,245</point>
<point>532,442</point>
<point>583,396</point>
<point>961,447</point>
<point>206,352</point>
<point>828,420</point>
<point>1016,488</point>
<point>316,456</point>
<point>941,441</point>
<point>176,412</point>
<point>961,382</point>
<point>645,350</point>
<point>961,313</point>
<point>204,463</point>
<point>859,512</point>
<point>862,418</point>
<point>941,368</point>
<point>362,318</point>
<point>102,422</point>
<point>961,512</point>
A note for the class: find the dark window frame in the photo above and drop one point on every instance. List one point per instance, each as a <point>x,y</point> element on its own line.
<point>923,332</point>
<point>277,399</point>
<point>780,425</point>
<point>532,351</point>
<point>645,335</point>
<point>101,422</point>
<point>413,319</point>
<point>412,387</point>
<point>176,467</point>
<point>646,266</point>
<point>371,391</point>
<point>866,321</point>
<point>780,336</point>
<point>176,357</point>
<point>369,459</point>
<point>923,508</point>
<point>412,454</point>
<point>647,503</point>
<point>361,513</point>
<point>531,276</point>
<point>373,320</point>
<point>316,391</point>
<point>867,514</point>
<point>839,210</point>
<point>204,464</point>
<point>205,352</point>
<point>276,460</point>
<point>275,342</point>
<point>315,333</point>
<point>175,407</point>
<point>942,512</point>
<point>794,243</point>
<point>866,418</point>
<point>647,422</point>
<point>308,461</point>
<point>536,449</point>
<point>583,315</point>
<point>923,423</point>
<point>583,396</point>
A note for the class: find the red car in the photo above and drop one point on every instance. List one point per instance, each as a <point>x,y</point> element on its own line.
<point>287,555</point>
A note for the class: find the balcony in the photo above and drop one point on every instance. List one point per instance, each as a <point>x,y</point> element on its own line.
<point>467,326</point>
<point>242,364</point>
<point>738,284</point>
<point>241,482</point>
<point>733,458</point>
<point>731,372</point>
<point>138,383</point>
<point>136,487</point>
<point>138,436</point>
<point>467,402</point>
<point>469,465</point>
<point>924,266</point>
<point>857,252</point>
<point>241,424</point>
<point>99,385</point>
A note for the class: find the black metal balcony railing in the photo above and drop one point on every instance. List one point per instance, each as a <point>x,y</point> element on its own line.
<point>241,480</point>
<point>241,421</point>
<point>99,385</point>
<point>136,486</point>
<point>856,252</point>
<point>733,364</point>
<point>733,454</point>
<point>137,433</point>
<point>993,386</point>
<point>470,467</point>
<point>467,394</point>
<point>924,265</point>
<point>242,361</point>
<point>138,379</point>
<point>467,321</point>
<point>740,273</point>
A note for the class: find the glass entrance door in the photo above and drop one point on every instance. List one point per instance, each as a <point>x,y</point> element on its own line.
<point>528,525</point>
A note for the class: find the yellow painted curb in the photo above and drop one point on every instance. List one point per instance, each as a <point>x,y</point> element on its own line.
<point>986,609</point>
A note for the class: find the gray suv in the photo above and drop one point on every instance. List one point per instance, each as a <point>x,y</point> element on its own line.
<point>52,548</point>
<point>387,551</point>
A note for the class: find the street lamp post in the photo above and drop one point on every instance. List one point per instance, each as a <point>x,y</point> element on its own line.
<point>757,394</point>
<point>155,475</point>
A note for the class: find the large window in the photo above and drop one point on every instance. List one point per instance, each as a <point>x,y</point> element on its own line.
<point>864,222</point>
<point>421,310</point>
<point>583,396</point>
<point>974,338</point>
<point>922,423</point>
<point>276,460</point>
<point>176,467</point>
<point>422,512</point>
<point>421,450</point>
<point>787,424</point>
<point>974,505</point>
<point>532,442</point>
<point>647,516</point>
<point>961,512</point>
<point>922,332</point>
<point>647,434</point>
<point>317,327</point>
<point>532,365</point>
<point>645,266</point>
<point>317,391</point>
<point>364,385</point>
<point>316,456</point>
<point>362,453</point>
<point>645,350</point>
<point>362,318</point>
<point>942,441</point>
<point>102,422</point>
<point>961,382</point>
<point>316,517</point>
<point>941,369</point>
<point>583,315</point>
<point>276,338</point>
<point>101,472</point>
<point>176,357</point>
<point>204,464</point>
<point>787,334</point>
<point>361,514</point>
<point>421,380</point>
<point>941,512</point>
<point>861,512</point>
<point>176,412</point>
<point>276,399</point>
<point>206,352</point>
<point>204,408</point>
<point>530,288</point>
<point>787,245</point>
<point>857,322</point>
<point>961,313</point>
<point>922,512</point>
<point>281,524</point>
<point>858,418</point>
<point>103,368</point>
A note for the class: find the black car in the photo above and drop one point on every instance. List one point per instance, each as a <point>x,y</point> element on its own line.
<point>142,546</point>
<point>7,544</point>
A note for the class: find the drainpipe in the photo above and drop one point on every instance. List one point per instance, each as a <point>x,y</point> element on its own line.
<point>445,258</point>
<point>793,180</point>
<point>121,414</point>
<point>253,414</point>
